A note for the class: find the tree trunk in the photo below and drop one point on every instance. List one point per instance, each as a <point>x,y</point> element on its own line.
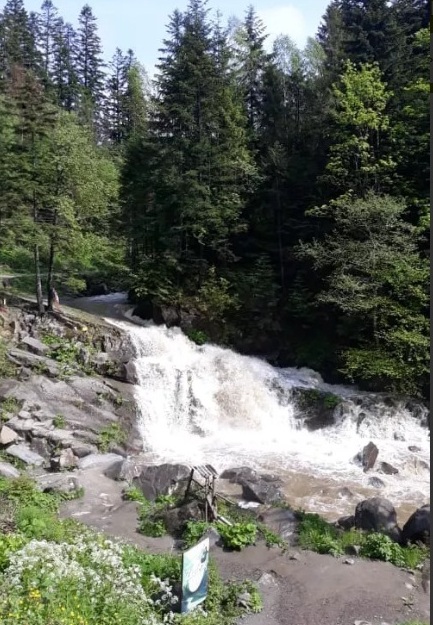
<point>38,283</point>
<point>51,265</point>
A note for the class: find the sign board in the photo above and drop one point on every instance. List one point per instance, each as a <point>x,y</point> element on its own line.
<point>195,575</point>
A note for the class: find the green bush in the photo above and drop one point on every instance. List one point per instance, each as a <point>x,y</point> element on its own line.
<point>238,535</point>
<point>111,435</point>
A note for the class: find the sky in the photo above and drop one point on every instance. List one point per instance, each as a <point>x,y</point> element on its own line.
<point>141,24</point>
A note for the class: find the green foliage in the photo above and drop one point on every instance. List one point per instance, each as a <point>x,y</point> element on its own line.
<point>238,535</point>
<point>111,435</point>
<point>197,336</point>
<point>59,421</point>
<point>318,535</point>
<point>7,369</point>
<point>132,493</point>
<point>9,406</point>
<point>193,532</point>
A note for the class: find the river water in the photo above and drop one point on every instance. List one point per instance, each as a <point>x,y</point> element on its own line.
<point>211,405</point>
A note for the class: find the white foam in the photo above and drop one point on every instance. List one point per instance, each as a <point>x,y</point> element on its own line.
<point>209,404</point>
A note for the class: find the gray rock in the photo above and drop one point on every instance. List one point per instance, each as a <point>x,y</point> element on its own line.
<point>376,482</point>
<point>353,550</point>
<point>7,435</point>
<point>346,493</point>
<point>65,460</point>
<point>378,515</point>
<point>282,521</point>
<point>349,561</point>
<point>98,461</point>
<point>414,448</point>
<point>24,414</point>
<point>81,450</point>
<point>35,346</point>
<point>369,456</point>
<point>239,475</point>
<point>125,470</point>
<point>175,519</point>
<point>9,471</point>
<point>27,359</point>
<point>22,452</point>
<point>417,527</point>
<point>262,491</point>
<point>346,522</point>
<point>41,447</point>
<point>57,483</point>
<point>164,479</point>
<point>388,469</point>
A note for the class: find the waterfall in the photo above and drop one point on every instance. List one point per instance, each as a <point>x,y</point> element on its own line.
<point>209,404</point>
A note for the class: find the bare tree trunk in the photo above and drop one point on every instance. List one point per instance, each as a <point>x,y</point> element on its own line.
<point>38,283</point>
<point>51,265</point>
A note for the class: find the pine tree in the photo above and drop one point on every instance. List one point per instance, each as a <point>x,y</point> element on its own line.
<point>48,25</point>
<point>18,45</point>
<point>89,66</point>
<point>64,71</point>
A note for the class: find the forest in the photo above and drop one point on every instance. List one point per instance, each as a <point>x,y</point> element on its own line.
<point>277,201</point>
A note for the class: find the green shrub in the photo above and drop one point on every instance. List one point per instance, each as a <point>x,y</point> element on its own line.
<point>132,493</point>
<point>197,336</point>
<point>59,421</point>
<point>194,531</point>
<point>111,435</point>
<point>238,535</point>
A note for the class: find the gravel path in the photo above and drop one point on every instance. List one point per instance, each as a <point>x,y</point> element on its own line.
<point>309,590</point>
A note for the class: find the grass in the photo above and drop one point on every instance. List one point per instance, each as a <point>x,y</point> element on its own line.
<point>58,572</point>
<point>111,435</point>
<point>318,535</point>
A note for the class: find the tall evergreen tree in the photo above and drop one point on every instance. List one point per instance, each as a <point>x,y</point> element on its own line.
<point>89,66</point>
<point>18,44</point>
<point>64,70</point>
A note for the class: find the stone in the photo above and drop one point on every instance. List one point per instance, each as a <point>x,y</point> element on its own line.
<point>65,460</point>
<point>346,522</point>
<point>8,470</point>
<point>353,550</point>
<point>378,515</point>
<point>98,461</point>
<point>57,483</point>
<point>81,450</point>
<point>35,346</point>
<point>27,359</point>
<point>42,447</point>
<point>22,452</point>
<point>349,561</point>
<point>414,448</point>
<point>24,414</point>
<point>388,469</point>
<point>369,456</point>
<point>175,519</point>
<point>376,482</point>
<point>417,527</point>
<point>165,479</point>
<point>346,493</point>
<point>239,474</point>
<point>7,435</point>
<point>282,521</point>
<point>125,470</point>
<point>263,491</point>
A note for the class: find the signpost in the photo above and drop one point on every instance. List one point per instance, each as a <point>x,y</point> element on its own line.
<point>195,575</point>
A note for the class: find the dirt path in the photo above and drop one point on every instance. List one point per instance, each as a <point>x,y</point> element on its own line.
<point>310,590</point>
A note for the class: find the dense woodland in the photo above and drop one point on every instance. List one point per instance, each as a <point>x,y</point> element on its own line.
<point>279,200</point>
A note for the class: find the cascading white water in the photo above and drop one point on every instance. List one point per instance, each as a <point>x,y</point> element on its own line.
<point>208,404</point>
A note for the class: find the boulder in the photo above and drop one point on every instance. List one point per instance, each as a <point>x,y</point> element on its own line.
<point>57,483</point>
<point>7,435</point>
<point>376,482</point>
<point>27,359</point>
<point>65,460</point>
<point>239,474</point>
<point>98,461</point>
<point>378,515</point>
<point>417,527</point>
<point>388,469</point>
<point>282,521</point>
<point>316,408</point>
<point>369,456</point>
<point>175,519</point>
<point>81,450</point>
<point>263,491</point>
<point>164,479</point>
<point>8,470</point>
<point>346,522</point>
<point>125,470</point>
<point>42,447</point>
<point>35,346</point>
<point>22,452</point>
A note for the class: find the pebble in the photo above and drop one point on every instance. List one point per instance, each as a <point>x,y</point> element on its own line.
<point>294,556</point>
<point>349,561</point>
<point>361,623</point>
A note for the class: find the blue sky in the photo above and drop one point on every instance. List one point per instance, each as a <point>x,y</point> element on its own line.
<point>140,24</point>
